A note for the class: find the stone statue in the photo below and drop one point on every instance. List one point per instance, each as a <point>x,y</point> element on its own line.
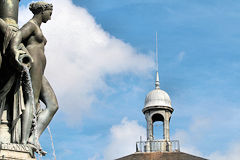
<point>22,81</point>
<point>34,41</point>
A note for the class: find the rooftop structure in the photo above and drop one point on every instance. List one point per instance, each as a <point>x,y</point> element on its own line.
<point>161,156</point>
<point>157,108</point>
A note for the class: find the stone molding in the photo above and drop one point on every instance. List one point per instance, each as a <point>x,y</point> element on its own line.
<point>12,151</point>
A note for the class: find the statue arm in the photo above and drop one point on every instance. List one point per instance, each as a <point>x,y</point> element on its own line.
<point>24,33</point>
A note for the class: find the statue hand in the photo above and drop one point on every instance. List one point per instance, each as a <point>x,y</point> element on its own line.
<point>18,63</point>
<point>23,59</point>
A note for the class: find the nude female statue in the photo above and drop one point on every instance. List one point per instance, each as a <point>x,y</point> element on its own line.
<point>33,39</point>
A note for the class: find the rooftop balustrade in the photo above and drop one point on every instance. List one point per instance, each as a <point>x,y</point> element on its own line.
<point>158,146</point>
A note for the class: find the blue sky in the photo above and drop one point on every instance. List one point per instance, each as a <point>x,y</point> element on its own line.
<point>199,61</point>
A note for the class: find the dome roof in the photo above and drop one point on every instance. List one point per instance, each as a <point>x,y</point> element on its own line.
<point>157,98</point>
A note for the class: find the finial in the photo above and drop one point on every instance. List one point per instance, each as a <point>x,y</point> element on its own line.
<point>157,83</point>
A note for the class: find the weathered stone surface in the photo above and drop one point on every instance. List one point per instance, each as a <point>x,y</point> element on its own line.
<point>14,155</point>
<point>16,151</point>
<point>16,147</point>
<point>5,134</point>
<point>161,156</point>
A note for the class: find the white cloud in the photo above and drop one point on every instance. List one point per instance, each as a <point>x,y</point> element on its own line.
<point>188,137</point>
<point>200,124</point>
<point>123,138</point>
<point>186,144</point>
<point>232,153</point>
<point>79,56</point>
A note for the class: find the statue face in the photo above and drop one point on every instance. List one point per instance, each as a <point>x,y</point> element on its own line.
<point>46,15</point>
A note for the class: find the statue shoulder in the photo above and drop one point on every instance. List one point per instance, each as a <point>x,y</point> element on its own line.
<point>29,25</point>
<point>28,28</point>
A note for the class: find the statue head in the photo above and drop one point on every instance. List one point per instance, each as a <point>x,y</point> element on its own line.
<point>43,8</point>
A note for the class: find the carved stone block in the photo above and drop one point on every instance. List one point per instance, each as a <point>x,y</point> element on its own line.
<point>12,151</point>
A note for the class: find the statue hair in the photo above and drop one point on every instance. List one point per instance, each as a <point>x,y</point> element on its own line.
<point>38,7</point>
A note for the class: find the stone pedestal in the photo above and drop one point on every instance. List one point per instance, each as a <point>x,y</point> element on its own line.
<point>12,151</point>
<point>5,134</point>
<point>4,127</point>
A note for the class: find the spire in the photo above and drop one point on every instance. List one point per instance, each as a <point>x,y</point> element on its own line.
<point>156,54</point>
<point>157,83</point>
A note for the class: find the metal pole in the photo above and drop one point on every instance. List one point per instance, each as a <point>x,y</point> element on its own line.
<point>140,143</point>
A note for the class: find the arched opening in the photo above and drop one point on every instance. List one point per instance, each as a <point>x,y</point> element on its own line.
<point>158,127</point>
<point>157,117</point>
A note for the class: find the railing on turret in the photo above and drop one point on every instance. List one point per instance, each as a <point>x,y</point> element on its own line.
<point>158,146</point>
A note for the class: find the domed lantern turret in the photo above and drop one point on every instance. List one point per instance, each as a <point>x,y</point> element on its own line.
<point>157,108</point>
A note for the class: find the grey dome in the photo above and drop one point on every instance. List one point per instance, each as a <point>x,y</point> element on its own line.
<point>157,97</point>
